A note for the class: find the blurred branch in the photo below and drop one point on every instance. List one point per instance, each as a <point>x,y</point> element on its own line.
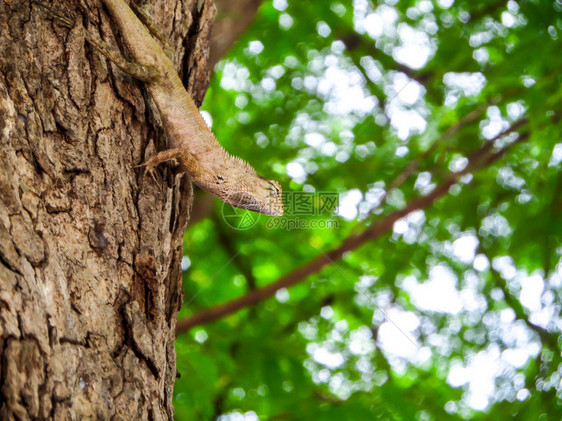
<point>549,241</point>
<point>482,157</point>
<point>353,42</point>
<point>316,264</point>
<point>451,130</point>
<point>489,9</point>
<point>240,262</point>
<point>233,18</point>
<point>513,302</point>
<point>202,208</point>
<point>374,89</point>
<point>483,154</point>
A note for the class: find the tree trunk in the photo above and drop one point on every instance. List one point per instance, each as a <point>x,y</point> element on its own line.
<point>90,247</point>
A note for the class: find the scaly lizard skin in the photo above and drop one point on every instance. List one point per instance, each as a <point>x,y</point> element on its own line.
<point>191,142</point>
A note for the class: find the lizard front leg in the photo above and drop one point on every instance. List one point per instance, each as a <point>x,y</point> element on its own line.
<point>141,72</point>
<point>203,178</point>
<point>153,28</point>
<point>186,160</point>
<point>160,157</point>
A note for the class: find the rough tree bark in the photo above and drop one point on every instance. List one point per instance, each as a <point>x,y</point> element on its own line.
<point>90,248</point>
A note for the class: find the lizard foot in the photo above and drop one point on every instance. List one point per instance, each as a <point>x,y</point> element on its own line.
<point>149,169</point>
<point>160,157</point>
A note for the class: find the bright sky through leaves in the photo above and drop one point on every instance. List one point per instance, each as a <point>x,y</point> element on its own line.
<point>454,312</point>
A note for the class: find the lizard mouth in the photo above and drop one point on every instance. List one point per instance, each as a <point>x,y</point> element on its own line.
<point>276,210</point>
<point>273,207</point>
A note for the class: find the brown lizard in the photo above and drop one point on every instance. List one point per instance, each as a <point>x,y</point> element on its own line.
<point>191,141</point>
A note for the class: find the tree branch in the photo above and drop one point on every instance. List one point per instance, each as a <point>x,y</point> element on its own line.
<point>240,262</point>
<point>546,337</point>
<point>233,18</point>
<point>451,130</point>
<point>353,41</point>
<point>482,157</point>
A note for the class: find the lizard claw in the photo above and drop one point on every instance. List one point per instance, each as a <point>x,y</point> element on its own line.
<point>149,169</point>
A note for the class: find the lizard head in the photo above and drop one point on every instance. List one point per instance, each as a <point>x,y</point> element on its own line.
<point>257,194</point>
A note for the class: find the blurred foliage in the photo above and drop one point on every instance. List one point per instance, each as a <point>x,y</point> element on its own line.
<point>342,96</point>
